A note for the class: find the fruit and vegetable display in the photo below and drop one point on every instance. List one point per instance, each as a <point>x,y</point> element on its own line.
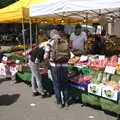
<point>92,72</point>
<point>112,44</point>
<point>114,85</point>
<point>82,79</point>
<point>21,47</point>
<point>118,69</point>
<point>74,60</point>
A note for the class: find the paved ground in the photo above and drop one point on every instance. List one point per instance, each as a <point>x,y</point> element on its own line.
<point>15,100</point>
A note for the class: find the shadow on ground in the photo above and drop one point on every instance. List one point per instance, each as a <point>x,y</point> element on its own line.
<point>6,100</point>
<point>4,80</point>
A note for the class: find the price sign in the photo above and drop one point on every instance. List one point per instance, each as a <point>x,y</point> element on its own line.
<point>118,60</point>
<point>83,58</point>
<point>101,57</point>
<point>71,55</point>
<point>13,70</point>
<point>110,70</point>
<point>2,69</point>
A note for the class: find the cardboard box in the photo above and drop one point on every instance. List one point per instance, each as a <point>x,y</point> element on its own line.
<point>95,89</point>
<point>108,92</point>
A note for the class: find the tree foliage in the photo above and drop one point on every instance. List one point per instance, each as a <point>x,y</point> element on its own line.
<point>4,3</point>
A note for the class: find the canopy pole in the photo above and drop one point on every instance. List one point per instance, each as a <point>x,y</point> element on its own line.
<point>87,28</point>
<point>23,32</point>
<point>86,23</point>
<point>30,23</point>
<point>36,34</point>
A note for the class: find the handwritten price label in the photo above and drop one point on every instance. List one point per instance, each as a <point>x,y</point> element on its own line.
<point>118,60</point>
<point>101,57</point>
<point>2,69</point>
<point>83,58</point>
<point>110,70</point>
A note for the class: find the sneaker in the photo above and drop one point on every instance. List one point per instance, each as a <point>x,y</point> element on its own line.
<point>59,106</point>
<point>43,95</point>
<point>48,94</point>
<point>66,104</point>
<point>35,94</point>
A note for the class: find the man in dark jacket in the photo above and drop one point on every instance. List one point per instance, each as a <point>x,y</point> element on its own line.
<point>36,57</point>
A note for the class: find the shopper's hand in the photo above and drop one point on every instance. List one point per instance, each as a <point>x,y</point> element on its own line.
<point>46,57</point>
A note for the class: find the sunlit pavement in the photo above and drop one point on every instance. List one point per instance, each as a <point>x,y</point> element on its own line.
<point>17,103</point>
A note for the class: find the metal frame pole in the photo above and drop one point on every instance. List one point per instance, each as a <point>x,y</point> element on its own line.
<point>36,34</point>
<point>23,32</point>
<point>30,23</point>
<point>86,23</point>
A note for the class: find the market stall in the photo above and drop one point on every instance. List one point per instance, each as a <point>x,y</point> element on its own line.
<point>81,12</point>
<point>94,78</point>
<point>99,78</point>
<point>18,12</point>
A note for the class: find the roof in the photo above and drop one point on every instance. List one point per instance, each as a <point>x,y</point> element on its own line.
<point>86,10</point>
<point>17,11</point>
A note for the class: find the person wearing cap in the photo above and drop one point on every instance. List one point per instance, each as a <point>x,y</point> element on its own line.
<point>59,72</point>
<point>78,39</point>
<point>36,57</point>
<point>42,37</point>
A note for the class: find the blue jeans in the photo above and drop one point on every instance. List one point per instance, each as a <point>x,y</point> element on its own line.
<point>60,83</point>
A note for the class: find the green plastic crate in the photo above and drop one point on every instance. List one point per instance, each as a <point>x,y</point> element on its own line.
<point>91,99</point>
<point>109,105</point>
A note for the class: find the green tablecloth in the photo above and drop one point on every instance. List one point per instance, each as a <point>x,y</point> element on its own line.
<point>24,76</point>
<point>90,99</point>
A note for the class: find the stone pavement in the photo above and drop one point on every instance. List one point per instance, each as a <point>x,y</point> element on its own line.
<point>16,100</point>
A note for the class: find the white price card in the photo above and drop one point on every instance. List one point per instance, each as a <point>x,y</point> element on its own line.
<point>71,55</point>
<point>2,69</point>
<point>110,70</point>
<point>83,58</point>
<point>118,60</point>
<point>13,70</point>
<point>101,57</point>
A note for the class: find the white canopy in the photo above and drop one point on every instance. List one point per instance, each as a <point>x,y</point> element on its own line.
<point>77,8</point>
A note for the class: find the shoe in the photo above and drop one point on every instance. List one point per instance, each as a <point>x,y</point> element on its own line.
<point>36,94</point>
<point>66,104</point>
<point>48,94</point>
<point>43,95</point>
<point>59,106</point>
<point>118,117</point>
<point>45,91</point>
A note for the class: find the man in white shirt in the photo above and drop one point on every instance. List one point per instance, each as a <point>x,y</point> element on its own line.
<point>78,39</point>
